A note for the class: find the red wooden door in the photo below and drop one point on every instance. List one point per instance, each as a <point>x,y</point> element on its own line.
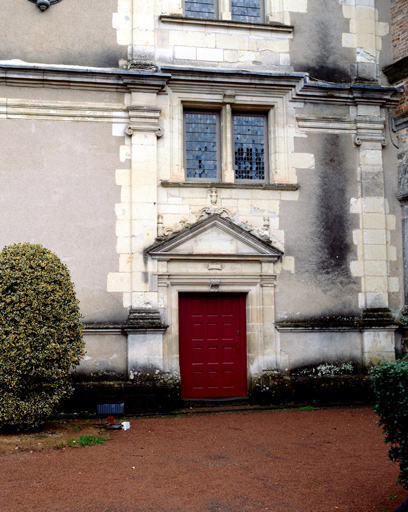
<point>212,345</point>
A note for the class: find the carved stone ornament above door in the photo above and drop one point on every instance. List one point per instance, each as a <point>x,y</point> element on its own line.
<point>44,4</point>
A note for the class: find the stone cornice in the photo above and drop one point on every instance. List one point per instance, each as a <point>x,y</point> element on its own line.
<point>189,79</point>
<point>397,72</point>
<point>348,94</point>
<point>365,128</point>
<point>95,79</point>
<point>62,110</point>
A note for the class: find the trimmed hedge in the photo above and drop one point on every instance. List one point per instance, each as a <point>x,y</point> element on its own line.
<point>390,383</point>
<point>40,335</point>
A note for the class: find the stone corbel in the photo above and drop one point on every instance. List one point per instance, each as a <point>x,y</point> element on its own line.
<point>370,129</point>
<point>359,139</point>
<point>144,119</point>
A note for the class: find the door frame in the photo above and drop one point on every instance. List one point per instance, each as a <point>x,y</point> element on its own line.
<point>261,342</point>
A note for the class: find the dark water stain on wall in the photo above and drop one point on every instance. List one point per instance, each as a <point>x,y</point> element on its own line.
<point>332,231</point>
<point>317,44</point>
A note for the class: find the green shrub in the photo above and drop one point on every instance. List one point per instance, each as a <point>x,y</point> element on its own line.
<point>390,383</point>
<point>40,334</point>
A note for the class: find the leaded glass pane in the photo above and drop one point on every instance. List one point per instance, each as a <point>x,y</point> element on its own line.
<point>201,145</point>
<point>246,10</point>
<point>199,9</point>
<point>249,147</point>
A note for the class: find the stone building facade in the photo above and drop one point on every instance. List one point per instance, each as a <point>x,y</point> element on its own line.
<point>221,181</point>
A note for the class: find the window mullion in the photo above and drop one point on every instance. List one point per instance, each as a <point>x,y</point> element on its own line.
<point>224,9</point>
<point>227,144</point>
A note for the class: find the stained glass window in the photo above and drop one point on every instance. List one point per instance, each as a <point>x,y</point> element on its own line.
<point>201,144</point>
<point>249,147</point>
<point>199,8</point>
<point>246,10</point>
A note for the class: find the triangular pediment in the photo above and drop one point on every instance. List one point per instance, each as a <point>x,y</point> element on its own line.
<point>214,236</point>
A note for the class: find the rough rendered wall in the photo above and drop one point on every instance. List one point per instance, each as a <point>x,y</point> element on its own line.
<point>58,189</point>
<point>317,48</point>
<point>73,32</point>
<point>318,233</point>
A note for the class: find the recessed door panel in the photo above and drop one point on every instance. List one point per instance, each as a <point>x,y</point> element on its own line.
<point>212,345</point>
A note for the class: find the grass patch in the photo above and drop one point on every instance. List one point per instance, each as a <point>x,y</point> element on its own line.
<point>307,408</point>
<point>87,440</point>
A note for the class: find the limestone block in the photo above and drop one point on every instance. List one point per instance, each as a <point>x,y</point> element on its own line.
<point>373,205</point>
<point>248,57</point>
<point>356,205</point>
<point>370,110</point>
<point>391,222</point>
<point>303,160</point>
<point>284,59</point>
<point>375,252</point>
<point>376,268</point>
<point>231,42</point>
<point>357,236</point>
<point>230,56</point>
<point>194,39</point>
<point>144,37</point>
<point>376,284</point>
<point>125,194</point>
<point>382,29</point>
<point>123,245</point>
<point>371,158</point>
<point>122,228</point>
<point>144,211</point>
<point>119,282</point>
<point>373,221</point>
<point>179,209</point>
<point>125,153</point>
<point>375,300</point>
<point>122,177</point>
<point>288,264</point>
<point>210,54</point>
<point>374,236</point>
<point>365,24</point>
<point>125,263</point>
<point>277,45</point>
<point>393,285</point>
<point>357,268</point>
<point>122,211</point>
<point>185,53</point>
<point>366,41</point>
<point>349,40</point>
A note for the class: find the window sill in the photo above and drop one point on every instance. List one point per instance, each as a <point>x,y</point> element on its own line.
<point>271,27</point>
<point>215,184</point>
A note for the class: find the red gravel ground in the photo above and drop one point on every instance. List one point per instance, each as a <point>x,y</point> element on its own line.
<point>292,460</point>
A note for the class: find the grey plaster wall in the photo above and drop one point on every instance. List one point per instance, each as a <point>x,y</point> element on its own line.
<point>317,44</point>
<point>57,188</point>
<point>72,32</point>
<point>321,347</point>
<point>318,234</point>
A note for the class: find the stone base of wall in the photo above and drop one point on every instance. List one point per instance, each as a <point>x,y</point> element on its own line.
<point>277,389</point>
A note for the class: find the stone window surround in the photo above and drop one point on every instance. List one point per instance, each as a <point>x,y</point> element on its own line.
<point>275,107</point>
<point>225,142</point>
<point>262,345</point>
<point>272,11</point>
